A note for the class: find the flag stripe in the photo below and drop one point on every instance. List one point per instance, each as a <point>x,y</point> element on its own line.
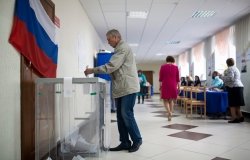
<point>19,40</point>
<point>25,13</point>
<point>43,19</point>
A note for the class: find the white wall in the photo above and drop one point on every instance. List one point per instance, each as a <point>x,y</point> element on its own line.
<point>155,68</point>
<point>246,83</point>
<point>242,32</point>
<point>76,35</point>
<point>75,30</point>
<point>10,88</point>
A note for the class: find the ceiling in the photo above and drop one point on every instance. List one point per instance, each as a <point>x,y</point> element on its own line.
<point>168,20</point>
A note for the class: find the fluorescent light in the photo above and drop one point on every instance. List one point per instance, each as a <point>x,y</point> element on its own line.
<point>161,54</point>
<point>133,44</point>
<point>137,14</point>
<point>203,14</point>
<point>173,42</point>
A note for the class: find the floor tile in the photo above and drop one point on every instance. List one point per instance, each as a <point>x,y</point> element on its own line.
<point>219,158</point>
<point>122,155</point>
<point>180,126</point>
<point>179,154</point>
<point>149,150</point>
<point>162,112</point>
<point>165,116</point>
<point>237,154</point>
<point>245,145</point>
<point>170,142</point>
<point>225,140</point>
<point>190,135</point>
<point>207,148</point>
<point>155,106</point>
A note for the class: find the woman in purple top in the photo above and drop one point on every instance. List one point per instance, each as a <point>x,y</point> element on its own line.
<point>169,81</point>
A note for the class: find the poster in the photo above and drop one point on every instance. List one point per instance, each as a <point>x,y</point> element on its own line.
<point>248,54</point>
<point>244,63</point>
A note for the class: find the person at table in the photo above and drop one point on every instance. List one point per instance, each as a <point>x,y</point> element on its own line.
<point>169,82</point>
<point>235,89</point>
<point>197,81</point>
<point>190,81</point>
<point>216,81</point>
<point>183,81</point>
<point>143,87</point>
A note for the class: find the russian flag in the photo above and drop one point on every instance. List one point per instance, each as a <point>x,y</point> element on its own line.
<point>33,35</point>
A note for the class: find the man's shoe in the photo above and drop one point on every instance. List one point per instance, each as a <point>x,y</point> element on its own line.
<point>241,119</point>
<point>135,147</point>
<point>120,148</point>
<point>234,121</point>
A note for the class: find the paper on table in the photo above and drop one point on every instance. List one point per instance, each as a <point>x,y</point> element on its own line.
<point>67,86</point>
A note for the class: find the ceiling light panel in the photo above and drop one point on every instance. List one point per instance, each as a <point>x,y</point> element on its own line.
<point>173,42</point>
<point>203,14</point>
<point>137,14</point>
<point>133,44</point>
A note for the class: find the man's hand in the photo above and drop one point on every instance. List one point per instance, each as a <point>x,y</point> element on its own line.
<point>88,71</point>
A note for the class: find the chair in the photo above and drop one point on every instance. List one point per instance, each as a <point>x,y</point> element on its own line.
<point>197,103</point>
<point>180,95</point>
<point>184,97</point>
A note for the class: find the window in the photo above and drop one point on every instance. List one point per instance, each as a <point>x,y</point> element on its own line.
<point>224,48</point>
<point>198,61</point>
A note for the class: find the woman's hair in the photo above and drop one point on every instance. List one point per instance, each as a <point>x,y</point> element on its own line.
<point>170,59</point>
<point>215,74</point>
<point>198,78</point>
<point>230,62</point>
<point>189,78</point>
<point>113,33</point>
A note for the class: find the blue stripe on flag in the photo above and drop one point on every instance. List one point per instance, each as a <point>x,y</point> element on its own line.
<point>27,14</point>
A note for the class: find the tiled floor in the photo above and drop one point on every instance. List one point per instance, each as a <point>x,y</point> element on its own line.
<point>183,138</point>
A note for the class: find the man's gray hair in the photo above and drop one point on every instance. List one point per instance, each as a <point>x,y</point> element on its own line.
<point>113,33</point>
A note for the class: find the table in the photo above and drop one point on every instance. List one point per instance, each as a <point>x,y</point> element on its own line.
<point>217,102</point>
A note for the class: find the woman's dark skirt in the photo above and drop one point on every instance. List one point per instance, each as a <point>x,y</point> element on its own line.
<point>235,96</point>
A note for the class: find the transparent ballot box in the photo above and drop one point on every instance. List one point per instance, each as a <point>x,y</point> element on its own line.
<point>72,118</point>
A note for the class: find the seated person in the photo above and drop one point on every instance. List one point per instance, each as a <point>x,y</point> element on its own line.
<point>216,81</point>
<point>197,81</point>
<point>183,81</point>
<point>190,81</point>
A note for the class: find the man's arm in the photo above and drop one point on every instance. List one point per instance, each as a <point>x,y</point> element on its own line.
<point>115,62</point>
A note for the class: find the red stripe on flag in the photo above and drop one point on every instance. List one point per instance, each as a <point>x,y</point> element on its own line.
<point>31,51</point>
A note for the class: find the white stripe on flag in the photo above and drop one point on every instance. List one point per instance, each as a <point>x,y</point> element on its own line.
<point>43,19</point>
